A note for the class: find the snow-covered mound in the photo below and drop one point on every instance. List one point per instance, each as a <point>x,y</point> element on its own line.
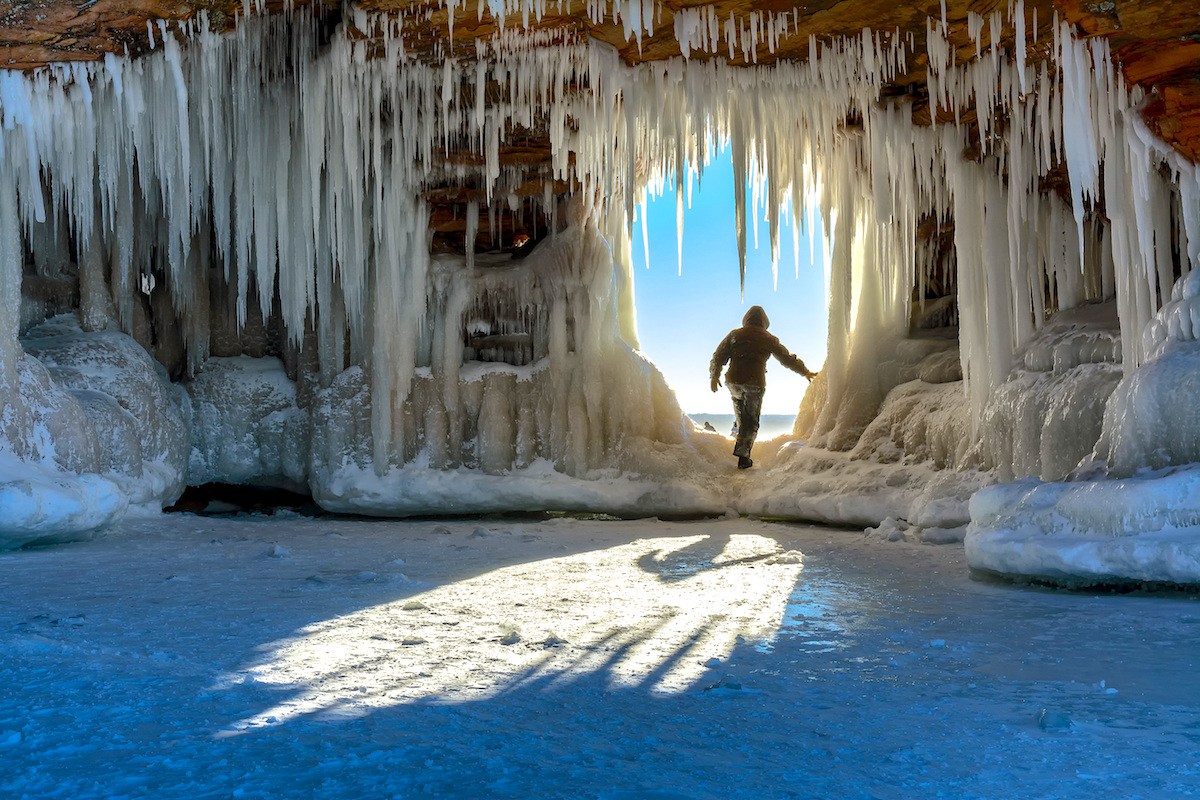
<point>1141,529</point>
<point>909,463</point>
<point>41,503</point>
<point>827,486</point>
<point>246,425</point>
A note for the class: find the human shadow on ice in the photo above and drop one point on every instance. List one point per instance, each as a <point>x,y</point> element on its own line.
<point>678,565</point>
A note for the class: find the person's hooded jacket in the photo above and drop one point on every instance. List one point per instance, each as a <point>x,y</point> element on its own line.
<point>746,350</point>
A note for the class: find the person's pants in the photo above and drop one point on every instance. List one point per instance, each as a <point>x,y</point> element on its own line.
<point>747,407</point>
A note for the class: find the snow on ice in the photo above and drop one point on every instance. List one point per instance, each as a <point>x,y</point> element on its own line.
<point>285,657</point>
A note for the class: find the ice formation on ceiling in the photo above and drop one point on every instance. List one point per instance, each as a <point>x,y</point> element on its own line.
<point>295,169</point>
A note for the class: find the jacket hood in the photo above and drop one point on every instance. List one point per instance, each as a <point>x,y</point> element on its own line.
<point>757,317</point>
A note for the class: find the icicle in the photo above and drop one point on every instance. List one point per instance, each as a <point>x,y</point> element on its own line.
<point>679,218</point>
<point>642,209</point>
<point>304,173</point>
<point>1019,20</point>
<point>739,145</point>
<point>472,232</point>
<point>12,259</point>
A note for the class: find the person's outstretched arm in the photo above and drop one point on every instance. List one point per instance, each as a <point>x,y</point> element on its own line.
<point>790,361</point>
<point>719,360</point>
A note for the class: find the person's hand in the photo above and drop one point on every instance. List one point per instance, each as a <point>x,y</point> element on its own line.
<point>716,382</point>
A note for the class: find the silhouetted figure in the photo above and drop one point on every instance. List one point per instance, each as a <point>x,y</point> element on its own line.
<point>747,349</point>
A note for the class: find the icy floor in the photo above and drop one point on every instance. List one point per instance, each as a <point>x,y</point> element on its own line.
<point>193,657</point>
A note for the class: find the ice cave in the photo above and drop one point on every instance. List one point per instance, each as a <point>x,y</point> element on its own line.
<point>380,253</point>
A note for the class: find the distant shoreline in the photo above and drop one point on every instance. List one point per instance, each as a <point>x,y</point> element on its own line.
<point>770,425</point>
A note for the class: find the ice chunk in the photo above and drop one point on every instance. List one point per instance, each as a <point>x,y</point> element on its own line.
<point>40,504</point>
<point>246,425</point>
<point>1140,529</point>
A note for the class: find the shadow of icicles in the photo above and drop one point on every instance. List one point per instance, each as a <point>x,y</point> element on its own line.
<point>629,619</point>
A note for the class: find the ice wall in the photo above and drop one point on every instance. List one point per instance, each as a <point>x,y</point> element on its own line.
<point>247,427</point>
<point>286,176</point>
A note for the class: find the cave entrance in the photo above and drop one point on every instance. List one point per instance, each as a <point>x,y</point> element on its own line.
<point>685,306</point>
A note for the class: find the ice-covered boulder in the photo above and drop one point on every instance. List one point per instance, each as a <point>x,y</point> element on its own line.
<point>1140,529</point>
<point>1068,391</point>
<point>50,460</point>
<point>1143,526</point>
<point>1045,420</point>
<point>139,419</point>
<point>95,427</point>
<point>1045,424</point>
<point>40,504</point>
<point>1152,419</point>
<point>246,425</point>
<point>1178,321</point>
<point>48,424</point>
<point>943,366</point>
<point>919,422</point>
<point>929,355</point>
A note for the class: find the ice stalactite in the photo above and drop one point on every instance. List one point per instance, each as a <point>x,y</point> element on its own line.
<point>12,258</point>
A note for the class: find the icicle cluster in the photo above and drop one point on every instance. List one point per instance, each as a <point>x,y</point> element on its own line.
<point>1130,228</point>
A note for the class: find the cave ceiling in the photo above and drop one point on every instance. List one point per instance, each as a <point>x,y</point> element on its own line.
<point>1156,42</point>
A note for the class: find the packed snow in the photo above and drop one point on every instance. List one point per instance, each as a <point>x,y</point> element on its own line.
<point>188,657</point>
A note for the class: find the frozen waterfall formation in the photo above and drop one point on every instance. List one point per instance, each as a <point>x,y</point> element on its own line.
<point>1011,294</point>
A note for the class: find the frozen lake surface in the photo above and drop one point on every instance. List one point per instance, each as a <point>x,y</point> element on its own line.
<point>190,657</point>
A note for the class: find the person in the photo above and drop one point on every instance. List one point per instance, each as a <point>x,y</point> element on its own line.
<point>746,349</point>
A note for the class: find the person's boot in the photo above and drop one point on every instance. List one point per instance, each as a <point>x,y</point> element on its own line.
<point>744,462</point>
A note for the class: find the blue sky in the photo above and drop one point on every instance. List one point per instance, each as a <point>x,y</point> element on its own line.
<point>681,319</point>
